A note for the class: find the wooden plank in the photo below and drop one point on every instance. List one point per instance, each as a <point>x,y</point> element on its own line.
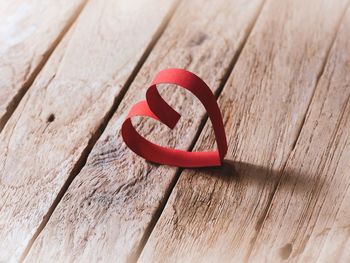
<point>337,242</point>
<point>108,211</point>
<point>47,139</point>
<point>309,218</point>
<point>28,34</point>
<point>213,215</point>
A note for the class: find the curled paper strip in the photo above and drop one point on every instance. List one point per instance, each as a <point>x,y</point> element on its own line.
<point>155,107</point>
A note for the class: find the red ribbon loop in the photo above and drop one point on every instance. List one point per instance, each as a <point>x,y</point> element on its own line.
<point>155,107</point>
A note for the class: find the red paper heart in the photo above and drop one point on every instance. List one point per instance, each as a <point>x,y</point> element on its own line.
<point>155,107</point>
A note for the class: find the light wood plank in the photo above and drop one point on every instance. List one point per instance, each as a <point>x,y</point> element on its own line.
<point>309,218</point>
<point>49,134</point>
<point>213,215</point>
<point>108,210</point>
<point>29,31</point>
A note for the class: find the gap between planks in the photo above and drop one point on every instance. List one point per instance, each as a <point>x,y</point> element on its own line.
<point>304,113</point>
<point>231,66</point>
<point>28,83</point>
<point>217,78</point>
<point>319,75</point>
<point>84,155</point>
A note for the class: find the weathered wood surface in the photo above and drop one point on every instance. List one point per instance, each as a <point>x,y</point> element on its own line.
<point>219,214</point>
<point>29,31</point>
<point>282,193</point>
<point>309,218</point>
<point>110,207</point>
<point>50,133</point>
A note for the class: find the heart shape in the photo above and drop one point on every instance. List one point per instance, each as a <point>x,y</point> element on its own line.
<point>155,107</point>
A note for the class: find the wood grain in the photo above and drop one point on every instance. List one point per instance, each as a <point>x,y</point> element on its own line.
<point>47,138</point>
<point>108,210</point>
<point>29,31</point>
<point>214,215</point>
<point>309,213</point>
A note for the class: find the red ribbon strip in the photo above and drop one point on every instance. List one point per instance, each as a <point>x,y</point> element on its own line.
<point>155,107</point>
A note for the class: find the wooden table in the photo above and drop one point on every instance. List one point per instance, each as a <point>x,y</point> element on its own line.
<point>71,191</point>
